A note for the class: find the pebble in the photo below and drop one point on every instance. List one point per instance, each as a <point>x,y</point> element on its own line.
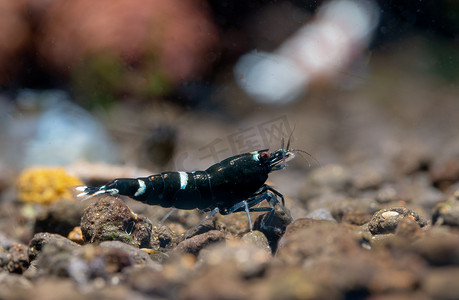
<point>446,173</point>
<point>447,213</point>
<point>164,237</point>
<point>82,263</point>
<point>272,225</point>
<point>387,220</point>
<point>137,255</point>
<point>196,243</point>
<point>76,235</point>
<point>363,205</point>
<point>381,240</point>
<point>109,218</point>
<point>39,240</point>
<point>438,248</point>
<point>249,259</point>
<point>152,283</point>
<point>223,281</point>
<point>308,238</point>
<point>442,283</point>
<point>327,199</point>
<point>356,218</point>
<point>14,258</point>
<point>407,228</point>
<point>14,286</point>
<point>55,256</point>
<point>387,193</point>
<point>257,239</point>
<point>366,177</point>
<point>331,177</point>
<point>321,214</point>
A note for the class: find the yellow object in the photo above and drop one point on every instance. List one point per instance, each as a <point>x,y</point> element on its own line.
<point>76,235</point>
<point>149,251</point>
<point>45,185</point>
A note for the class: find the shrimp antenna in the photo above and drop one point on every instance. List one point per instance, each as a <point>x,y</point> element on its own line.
<point>290,137</point>
<point>283,151</point>
<point>309,155</point>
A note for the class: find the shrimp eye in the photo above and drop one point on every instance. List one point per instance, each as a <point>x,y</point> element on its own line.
<point>265,155</point>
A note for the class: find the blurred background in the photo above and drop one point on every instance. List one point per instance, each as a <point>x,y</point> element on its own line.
<point>163,85</point>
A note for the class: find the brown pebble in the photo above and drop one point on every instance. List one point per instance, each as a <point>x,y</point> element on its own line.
<point>39,240</point>
<point>194,244</point>
<point>387,220</point>
<point>109,218</point>
<point>447,213</point>
<point>18,259</point>
<point>407,227</point>
<point>445,173</point>
<point>442,283</point>
<point>356,218</point>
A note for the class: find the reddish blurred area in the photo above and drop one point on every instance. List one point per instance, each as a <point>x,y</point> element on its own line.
<point>178,33</point>
<point>141,42</point>
<point>14,37</point>
<point>146,48</point>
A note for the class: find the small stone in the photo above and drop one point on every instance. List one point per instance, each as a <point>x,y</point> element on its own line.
<point>328,200</point>
<point>387,194</point>
<point>381,239</point>
<point>18,258</point>
<point>222,281</point>
<point>151,282</point>
<point>256,238</point>
<point>40,239</point>
<point>137,255</point>
<point>164,237</point>
<point>438,248</point>
<point>76,235</point>
<point>248,259</point>
<point>356,218</point>
<point>55,288</point>
<point>412,158</point>
<point>367,178</point>
<point>13,282</point>
<point>407,227</point>
<point>301,223</point>
<point>362,205</point>
<point>442,283</point>
<point>325,178</point>
<point>321,214</point>
<point>272,225</point>
<point>84,263</point>
<point>14,258</point>
<point>194,244</point>
<point>308,238</point>
<point>447,213</point>
<point>335,176</point>
<point>445,173</point>
<point>55,257</point>
<point>387,220</point>
<point>109,218</point>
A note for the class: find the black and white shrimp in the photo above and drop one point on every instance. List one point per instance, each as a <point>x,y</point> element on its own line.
<point>233,185</point>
